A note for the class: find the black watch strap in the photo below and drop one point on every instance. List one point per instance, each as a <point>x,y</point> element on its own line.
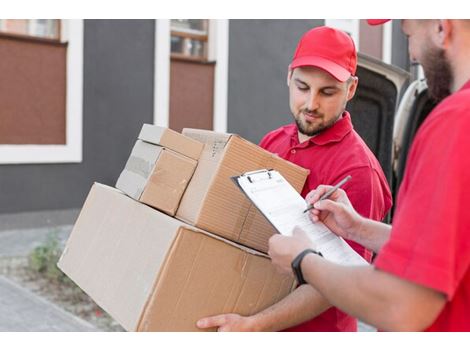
<point>296,265</point>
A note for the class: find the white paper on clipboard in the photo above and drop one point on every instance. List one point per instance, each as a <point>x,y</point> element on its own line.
<point>284,208</point>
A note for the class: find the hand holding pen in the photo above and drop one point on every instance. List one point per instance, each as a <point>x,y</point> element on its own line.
<point>330,192</point>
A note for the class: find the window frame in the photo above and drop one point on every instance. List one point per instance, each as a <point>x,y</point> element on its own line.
<point>218,51</point>
<point>71,31</point>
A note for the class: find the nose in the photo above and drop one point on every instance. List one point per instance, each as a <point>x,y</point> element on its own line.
<point>313,103</point>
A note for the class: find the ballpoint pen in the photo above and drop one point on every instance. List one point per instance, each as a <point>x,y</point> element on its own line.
<point>330,192</point>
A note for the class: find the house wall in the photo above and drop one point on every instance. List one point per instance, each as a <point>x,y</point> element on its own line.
<point>259,54</point>
<point>117,100</point>
<point>118,93</point>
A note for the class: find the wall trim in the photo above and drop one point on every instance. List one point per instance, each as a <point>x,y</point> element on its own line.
<point>387,42</point>
<point>161,109</point>
<point>71,152</point>
<point>221,33</point>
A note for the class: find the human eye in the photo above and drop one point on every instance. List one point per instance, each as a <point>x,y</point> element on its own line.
<point>328,92</point>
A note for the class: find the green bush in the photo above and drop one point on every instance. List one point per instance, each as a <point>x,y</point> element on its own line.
<point>43,259</point>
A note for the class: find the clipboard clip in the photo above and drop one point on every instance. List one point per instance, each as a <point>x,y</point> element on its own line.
<point>252,176</point>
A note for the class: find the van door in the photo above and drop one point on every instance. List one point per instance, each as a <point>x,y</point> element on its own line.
<point>374,106</point>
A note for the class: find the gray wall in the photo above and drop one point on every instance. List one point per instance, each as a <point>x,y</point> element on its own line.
<point>400,56</point>
<point>118,98</point>
<point>259,53</point>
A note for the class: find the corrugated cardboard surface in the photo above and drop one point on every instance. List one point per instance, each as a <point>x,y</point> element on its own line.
<point>214,203</point>
<point>115,252</point>
<point>204,276</point>
<point>156,176</point>
<point>171,140</point>
<point>138,168</point>
<point>214,145</point>
<point>168,180</point>
<point>152,272</point>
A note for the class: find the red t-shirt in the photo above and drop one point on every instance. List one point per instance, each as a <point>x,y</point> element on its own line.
<point>330,156</point>
<point>430,239</point>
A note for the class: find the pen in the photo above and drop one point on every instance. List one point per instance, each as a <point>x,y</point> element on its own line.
<point>330,192</point>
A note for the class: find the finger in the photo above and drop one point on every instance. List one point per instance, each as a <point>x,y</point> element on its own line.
<point>328,205</point>
<point>314,217</point>
<point>224,328</point>
<point>317,193</point>
<point>210,322</point>
<point>271,245</point>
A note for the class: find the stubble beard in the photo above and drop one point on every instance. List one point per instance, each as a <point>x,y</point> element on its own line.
<point>438,73</point>
<point>310,129</point>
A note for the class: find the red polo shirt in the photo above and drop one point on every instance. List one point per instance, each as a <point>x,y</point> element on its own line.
<point>430,239</point>
<point>330,156</point>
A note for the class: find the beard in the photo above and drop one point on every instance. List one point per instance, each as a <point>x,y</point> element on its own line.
<point>438,73</point>
<point>311,129</point>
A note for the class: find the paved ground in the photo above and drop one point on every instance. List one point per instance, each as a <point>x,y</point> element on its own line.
<point>21,242</point>
<point>22,310</point>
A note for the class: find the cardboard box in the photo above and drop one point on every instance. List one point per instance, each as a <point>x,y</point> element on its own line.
<point>214,203</point>
<point>156,176</point>
<point>172,140</point>
<point>152,272</point>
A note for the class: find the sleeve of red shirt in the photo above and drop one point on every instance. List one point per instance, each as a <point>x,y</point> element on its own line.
<point>367,194</point>
<point>430,239</point>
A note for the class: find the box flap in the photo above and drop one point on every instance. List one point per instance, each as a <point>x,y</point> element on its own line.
<point>168,181</point>
<point>171,140</point>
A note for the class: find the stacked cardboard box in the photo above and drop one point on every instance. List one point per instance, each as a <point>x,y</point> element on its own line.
<point>154,272</point>
<point>160,167</point>
<point>214,203</point>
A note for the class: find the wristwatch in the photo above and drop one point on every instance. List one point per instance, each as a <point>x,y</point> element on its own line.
<point>296,265</point>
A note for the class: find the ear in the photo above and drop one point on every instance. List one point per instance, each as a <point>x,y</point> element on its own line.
<point>289,75</point>
<point>352,87</point>
<point>444,33</point>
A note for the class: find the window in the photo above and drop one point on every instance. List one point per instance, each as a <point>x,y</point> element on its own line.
<point>41,91</point>
<point>42,28</point>
<point>189,39</point>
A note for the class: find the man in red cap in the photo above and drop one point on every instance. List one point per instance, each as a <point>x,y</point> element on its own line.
<point>421,277</point>
<point>321,81</point>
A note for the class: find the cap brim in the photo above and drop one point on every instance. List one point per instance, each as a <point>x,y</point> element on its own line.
<point>377,22</point>
<point>337,71</point>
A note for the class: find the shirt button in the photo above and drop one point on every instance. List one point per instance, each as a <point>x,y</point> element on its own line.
<point>293,151</point>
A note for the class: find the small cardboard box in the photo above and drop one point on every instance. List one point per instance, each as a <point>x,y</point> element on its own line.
<point>156,176</point>
<point>152,272</point>
<point>213,202</point>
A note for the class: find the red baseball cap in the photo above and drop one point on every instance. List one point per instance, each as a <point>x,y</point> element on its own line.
<point>327,48</point>
<point>377,22</point>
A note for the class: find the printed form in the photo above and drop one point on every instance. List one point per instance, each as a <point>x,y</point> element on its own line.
<point>284,208</point>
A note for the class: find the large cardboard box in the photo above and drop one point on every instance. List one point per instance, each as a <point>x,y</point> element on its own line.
<point>159,168</point>
<point>152,272</point>
<point>214,203</point>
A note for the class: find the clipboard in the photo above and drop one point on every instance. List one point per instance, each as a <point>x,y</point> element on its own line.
<point>284,207</point>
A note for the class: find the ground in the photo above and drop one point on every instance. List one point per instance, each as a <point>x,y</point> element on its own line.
<point>62,293</point>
